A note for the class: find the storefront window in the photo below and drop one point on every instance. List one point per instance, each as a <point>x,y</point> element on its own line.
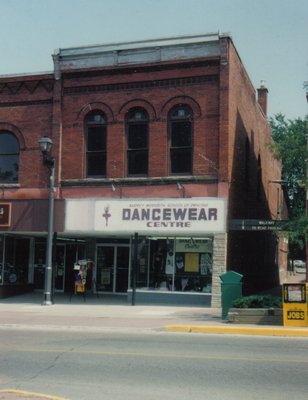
<point>65,256</point>
<point>183,265</point>
<point>142,272</point>
<point>16,260</point>
<point>39,263</point>
<point>1,259</point>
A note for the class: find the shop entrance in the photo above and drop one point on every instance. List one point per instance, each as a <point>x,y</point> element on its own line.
<point>59,267</point>
<point>112,267</point>
<point>65,255</point>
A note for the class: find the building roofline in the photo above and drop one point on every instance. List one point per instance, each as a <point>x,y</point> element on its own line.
<point>141,52</point>
<point>131,45</point>
<point>26,74</point>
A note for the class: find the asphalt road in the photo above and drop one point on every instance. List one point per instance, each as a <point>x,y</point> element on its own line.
<point>77,365</point>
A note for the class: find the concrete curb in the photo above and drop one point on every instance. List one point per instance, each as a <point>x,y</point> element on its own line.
<point>240,330</point>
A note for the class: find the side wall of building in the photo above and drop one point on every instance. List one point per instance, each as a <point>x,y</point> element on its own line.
<point>251,175</point>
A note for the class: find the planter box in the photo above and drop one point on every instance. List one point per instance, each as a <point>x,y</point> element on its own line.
<point>258,316</point>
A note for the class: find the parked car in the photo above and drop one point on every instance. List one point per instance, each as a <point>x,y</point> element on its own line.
<point>299,266</point>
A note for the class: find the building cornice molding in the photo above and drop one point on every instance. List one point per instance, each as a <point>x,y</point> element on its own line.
<point>162,83</point>
<point>105,182</point>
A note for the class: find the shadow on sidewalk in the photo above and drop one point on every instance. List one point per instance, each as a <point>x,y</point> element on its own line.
<point>36,298</point>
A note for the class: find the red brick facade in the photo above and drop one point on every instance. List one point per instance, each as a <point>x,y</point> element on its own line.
<point>231,158</point>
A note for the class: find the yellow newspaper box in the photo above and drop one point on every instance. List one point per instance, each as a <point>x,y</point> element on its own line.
<point>295,310</point>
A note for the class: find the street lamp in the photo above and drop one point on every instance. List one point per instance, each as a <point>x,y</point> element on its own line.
<point>306,84</point>
<point>45,146</point>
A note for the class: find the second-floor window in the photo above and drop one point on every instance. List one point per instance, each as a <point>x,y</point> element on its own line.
<point>137,142</point>
<point>96,144</point>
<point>9,158</point>
<point>180,140</point>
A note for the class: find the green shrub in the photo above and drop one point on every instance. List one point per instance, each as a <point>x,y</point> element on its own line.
<point>258,302</point>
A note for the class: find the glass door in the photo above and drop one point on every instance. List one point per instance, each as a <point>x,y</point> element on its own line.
<point>60,267</point>
<point>112,264</point>
<point>104,268</point>
<point>122,263</point>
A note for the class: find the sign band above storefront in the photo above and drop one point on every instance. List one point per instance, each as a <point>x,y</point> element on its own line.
<point>177,217</point>
<point>5,215</point>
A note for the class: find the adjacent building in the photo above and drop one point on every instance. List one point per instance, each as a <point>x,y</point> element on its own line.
<point>162,143</point>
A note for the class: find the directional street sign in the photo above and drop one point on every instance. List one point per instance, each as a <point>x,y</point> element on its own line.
<point>256,225</point>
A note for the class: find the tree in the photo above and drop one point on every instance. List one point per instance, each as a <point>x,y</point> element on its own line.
<point>290,146</point>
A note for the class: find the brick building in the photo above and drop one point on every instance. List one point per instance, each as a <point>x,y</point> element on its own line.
<point>165,138</point>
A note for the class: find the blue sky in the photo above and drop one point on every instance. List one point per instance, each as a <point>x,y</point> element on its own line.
<point>271,36</point>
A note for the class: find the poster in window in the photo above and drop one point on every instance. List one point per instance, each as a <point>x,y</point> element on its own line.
<point>169,263</point>
<point>191,262</point>
<point>105,276</point>
<point>179,262</point>
<point>205,264</point>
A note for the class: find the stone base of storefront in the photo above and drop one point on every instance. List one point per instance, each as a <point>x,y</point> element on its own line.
<point>15,290</point>
<point>170,298</point>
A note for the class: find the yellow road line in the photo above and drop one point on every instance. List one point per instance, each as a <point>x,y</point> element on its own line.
<point>33,394</point>
<point>167,355</point>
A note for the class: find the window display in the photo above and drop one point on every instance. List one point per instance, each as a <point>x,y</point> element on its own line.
<point>15,267</point>
<point>175,264</point>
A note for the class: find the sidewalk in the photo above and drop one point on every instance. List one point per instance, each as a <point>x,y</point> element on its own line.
<point>114,314</point>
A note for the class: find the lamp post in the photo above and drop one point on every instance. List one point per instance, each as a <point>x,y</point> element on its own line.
<point>306,185</point>
<point>45,146</point>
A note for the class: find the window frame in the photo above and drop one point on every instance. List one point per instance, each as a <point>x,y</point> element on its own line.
<point>102,125</point>
<point>131,152</point>
<point>10,154</point>
<point>180,149</point>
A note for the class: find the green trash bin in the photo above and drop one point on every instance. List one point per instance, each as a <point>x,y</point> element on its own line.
<point>231,289</point>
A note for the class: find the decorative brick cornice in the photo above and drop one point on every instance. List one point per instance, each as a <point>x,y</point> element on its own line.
<point>26,103</point>
<point>164,83</point>
<point>16,87</point>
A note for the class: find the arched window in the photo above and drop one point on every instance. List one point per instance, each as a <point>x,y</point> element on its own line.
<point>96,144</point>
<point>137,142</point>
<point>9,157</point>
<point>180,140</point>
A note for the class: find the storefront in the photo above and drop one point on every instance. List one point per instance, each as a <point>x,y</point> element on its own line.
<point>175,249</point>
